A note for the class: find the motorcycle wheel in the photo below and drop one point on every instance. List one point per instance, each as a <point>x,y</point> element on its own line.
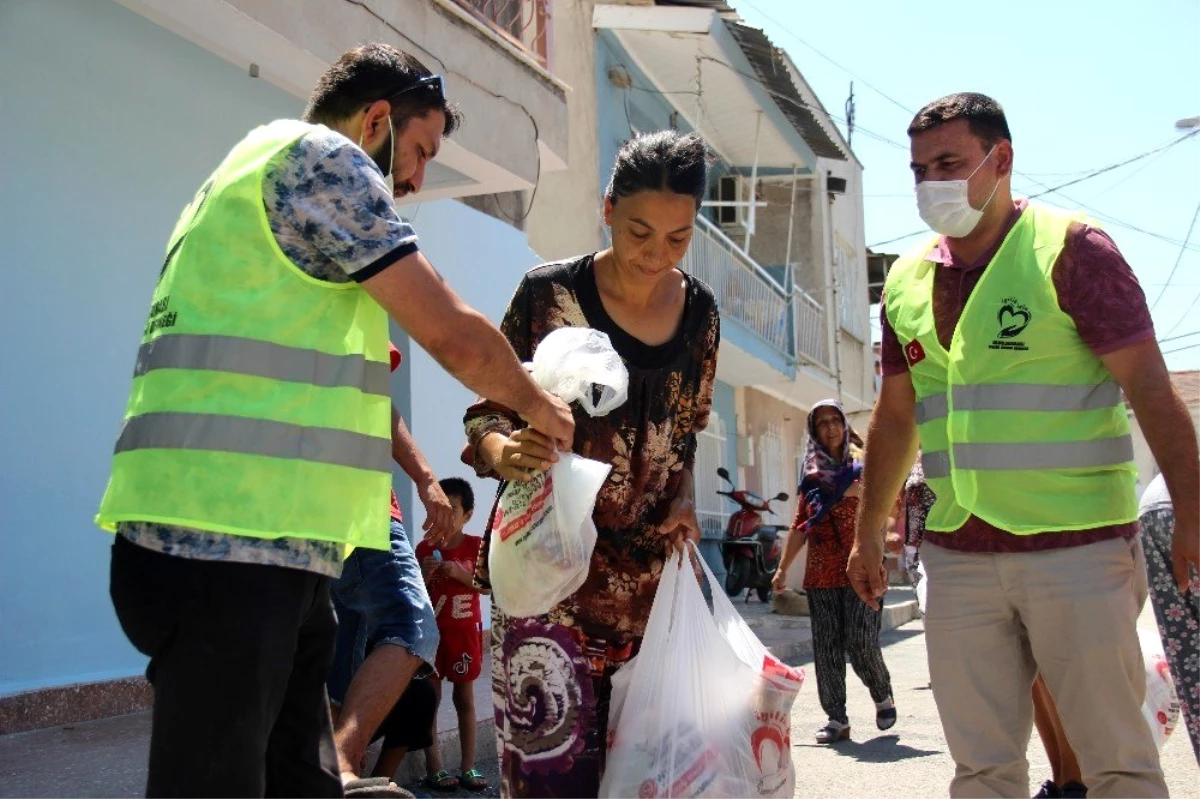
<point>738,576</point>
<point>764,593</point>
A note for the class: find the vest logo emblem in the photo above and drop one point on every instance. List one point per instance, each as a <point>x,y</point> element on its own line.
<point>1012,318</point>
<point>914,352</point>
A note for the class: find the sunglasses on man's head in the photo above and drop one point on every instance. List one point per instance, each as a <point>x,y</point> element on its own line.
<point>434,82</point>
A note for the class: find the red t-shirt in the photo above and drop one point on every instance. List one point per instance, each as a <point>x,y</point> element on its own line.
<point>453,602</point>
<point>1096,287</point>
<point>396,357</point>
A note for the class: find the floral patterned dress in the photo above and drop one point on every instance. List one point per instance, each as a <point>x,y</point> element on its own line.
<point>1177,612</point>
<point>551,674</point>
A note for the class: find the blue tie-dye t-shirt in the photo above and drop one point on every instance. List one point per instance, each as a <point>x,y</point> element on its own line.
<point>333,216</point>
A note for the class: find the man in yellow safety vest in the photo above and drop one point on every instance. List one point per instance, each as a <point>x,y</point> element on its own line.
<point>1012,341</point>
<point>257,443</point>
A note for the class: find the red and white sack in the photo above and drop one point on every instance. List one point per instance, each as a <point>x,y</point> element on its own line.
<point>703,709</point>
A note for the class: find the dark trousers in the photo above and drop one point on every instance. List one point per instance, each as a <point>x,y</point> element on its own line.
<point>239,654</point>
<point>843,626</point>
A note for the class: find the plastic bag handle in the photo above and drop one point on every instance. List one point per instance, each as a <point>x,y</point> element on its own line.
<point>722,608</point>
<point>666,600</point>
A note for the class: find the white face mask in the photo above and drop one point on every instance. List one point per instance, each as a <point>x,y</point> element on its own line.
<point>944,206</point>
<point>388,179</point>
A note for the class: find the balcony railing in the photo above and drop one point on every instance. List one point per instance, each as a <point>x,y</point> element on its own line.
<point>524,23</point>
<point>809,323</point>
<point>791,322</point>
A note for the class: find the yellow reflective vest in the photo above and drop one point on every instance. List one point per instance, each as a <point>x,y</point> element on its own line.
<point>260,403</point>
<point>1020,423</point>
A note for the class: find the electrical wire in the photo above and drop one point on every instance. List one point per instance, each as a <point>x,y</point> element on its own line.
<point>1047,190</point>
<point>1181,349</point>
<point>787,29</point>
<point>1178,258</point>
<point>1181,335</point>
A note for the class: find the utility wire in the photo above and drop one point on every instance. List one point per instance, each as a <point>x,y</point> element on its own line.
<point>1178,258</point>
<point>1181,335</point>
<point>1181,349</point>
<point>1085,175</point>
<point>1094,173</point>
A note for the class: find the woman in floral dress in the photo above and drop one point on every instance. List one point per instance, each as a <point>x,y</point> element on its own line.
<point>551,674</point>
<point>1177,612</point>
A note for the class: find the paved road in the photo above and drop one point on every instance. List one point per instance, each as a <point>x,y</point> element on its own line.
<point>911,760</point>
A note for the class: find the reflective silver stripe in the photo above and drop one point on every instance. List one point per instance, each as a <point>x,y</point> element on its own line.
<point>202,431</point>
<point>247,356</point>
<point>935,464</point>
<point>935,406</point>
<point>1044,455</point>
<point>1036,397</point>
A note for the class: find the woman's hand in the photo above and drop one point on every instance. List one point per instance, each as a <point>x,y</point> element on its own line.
<point>779,581</point>
<point>519,456</point>
<point>681,524</point>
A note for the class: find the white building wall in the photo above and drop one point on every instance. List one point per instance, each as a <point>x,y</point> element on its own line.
<point>109,123</point>
<point>100,154</point>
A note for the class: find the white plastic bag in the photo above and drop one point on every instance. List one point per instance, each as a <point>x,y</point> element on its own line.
<point>1161,708</point>
<point>573,363</point>
<point>543,534</point>
<point>709,708</point>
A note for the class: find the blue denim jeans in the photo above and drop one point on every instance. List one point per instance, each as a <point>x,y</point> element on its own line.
<point>380,599</point>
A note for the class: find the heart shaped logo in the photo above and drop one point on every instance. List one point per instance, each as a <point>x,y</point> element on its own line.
<point>1012,321</point>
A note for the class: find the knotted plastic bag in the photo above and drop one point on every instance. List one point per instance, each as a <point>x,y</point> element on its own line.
<point>542,534</point>
<point>703,709</point>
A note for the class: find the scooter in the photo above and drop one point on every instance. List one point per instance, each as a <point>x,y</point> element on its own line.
<point>750,549</point>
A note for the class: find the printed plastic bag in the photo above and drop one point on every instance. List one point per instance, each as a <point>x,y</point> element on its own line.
<point>543,534</point>
<point>709,706</point>
<point>1161,707</point>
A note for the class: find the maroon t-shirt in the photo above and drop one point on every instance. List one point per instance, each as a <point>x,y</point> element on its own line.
<point>1097,288</point>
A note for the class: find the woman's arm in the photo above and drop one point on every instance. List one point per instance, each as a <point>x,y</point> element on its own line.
<point>485,418</point>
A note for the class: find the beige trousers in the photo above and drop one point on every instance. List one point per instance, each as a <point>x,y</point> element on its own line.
<point>993,621</point>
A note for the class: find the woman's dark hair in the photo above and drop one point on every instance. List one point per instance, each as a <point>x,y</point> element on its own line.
<point>662,161</point>
<point>377,71</point>
<point>458,487</point>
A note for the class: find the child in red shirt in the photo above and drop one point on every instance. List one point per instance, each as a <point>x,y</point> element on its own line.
<point>449,574</point>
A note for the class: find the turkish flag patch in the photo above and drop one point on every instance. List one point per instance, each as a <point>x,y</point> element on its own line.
<point>914,352</point>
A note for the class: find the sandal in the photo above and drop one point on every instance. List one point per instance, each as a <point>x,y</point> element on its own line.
<point>832,732</point>
<point>443,781</point>
<point>472,780</point>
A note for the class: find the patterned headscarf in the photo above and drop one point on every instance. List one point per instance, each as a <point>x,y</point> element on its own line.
<point>826,478</point>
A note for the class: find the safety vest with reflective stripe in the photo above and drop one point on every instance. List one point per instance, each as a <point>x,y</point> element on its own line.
<point>260,403</point>
<point>1020,423</point>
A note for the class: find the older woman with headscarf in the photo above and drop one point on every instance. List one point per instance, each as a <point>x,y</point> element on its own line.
<point>842,626</point>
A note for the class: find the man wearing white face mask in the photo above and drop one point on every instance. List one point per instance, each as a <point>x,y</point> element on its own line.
<point>1010,342</point>
<point>257,443</point>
